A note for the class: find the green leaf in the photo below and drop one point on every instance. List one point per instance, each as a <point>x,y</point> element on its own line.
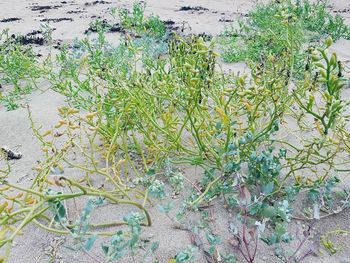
<point>154,246</point>
<point>268,188</point>
<point>60,211</point>
<point>166,208</point>
<point>268,211</point>
<point>105,249</point>
<point>90,242</point>
<point>212,239</point>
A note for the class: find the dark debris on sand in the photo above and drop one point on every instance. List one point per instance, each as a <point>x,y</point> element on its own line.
<point>31,38</point>
<point>118,28</point>
<point>43,8</point>
<point>205,36</point>
<point>171,25</point>
<point>115,28</point>
<point>193,8</point>
<point>76,12</point>
<point>8,20</point>
<point>341,11</point>
<point>34,32</point>
<point>56,20</point>
<point>226,20</point>
<point>97,3</point>
<point>27,40</point>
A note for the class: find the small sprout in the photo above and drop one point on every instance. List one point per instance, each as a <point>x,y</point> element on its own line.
<point>90,115</point>
<point>72,111</point>
<point>4,188</point>
<point>12,198</point>
<point>92,128</point>
<point>334,60</point>
<point>60,124</point>
<point>38,168</point>
<point>46,133</point>
<point>315,57</point>
<point>74,126</point>
<point>45,149</point>
<point>328,42</point>
<point>30,201</point>
<point>3,206</point>
<point>62,110</point>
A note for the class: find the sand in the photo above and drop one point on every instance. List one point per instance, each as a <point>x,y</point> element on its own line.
<point>36,245</point>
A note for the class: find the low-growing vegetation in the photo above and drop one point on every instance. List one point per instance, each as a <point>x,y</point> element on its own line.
<point>270,146</point>
<point>276,27</point>
<point>18,67</point>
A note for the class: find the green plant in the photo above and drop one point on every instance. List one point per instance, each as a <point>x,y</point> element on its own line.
<point>121,242</point>
<point>275,27</point>
<point>12,98</point>
<point>331,105</point>
<point>185,256</point>
<point>316,18</point>
<point>271,29</point>
<point>10,101</point>
<point>32,204</point>
<point>137,23</point>
<point>17,63</point>
<point>140,111</point>
<point>19,70</point>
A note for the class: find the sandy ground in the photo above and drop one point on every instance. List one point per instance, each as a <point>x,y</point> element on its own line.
<point>35,245</point>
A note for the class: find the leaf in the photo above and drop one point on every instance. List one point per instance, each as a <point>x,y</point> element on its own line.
<point>90,242</point>
<point>212,239</point>
<point>268,211</point>
<point>280,230</point>
<point>166,208</point>
<point>105,249</point>
<point>60,212</point>
<point>150,172</point>
<point>154,246</point>
<point>225,119</point>
<point>268,188</point>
